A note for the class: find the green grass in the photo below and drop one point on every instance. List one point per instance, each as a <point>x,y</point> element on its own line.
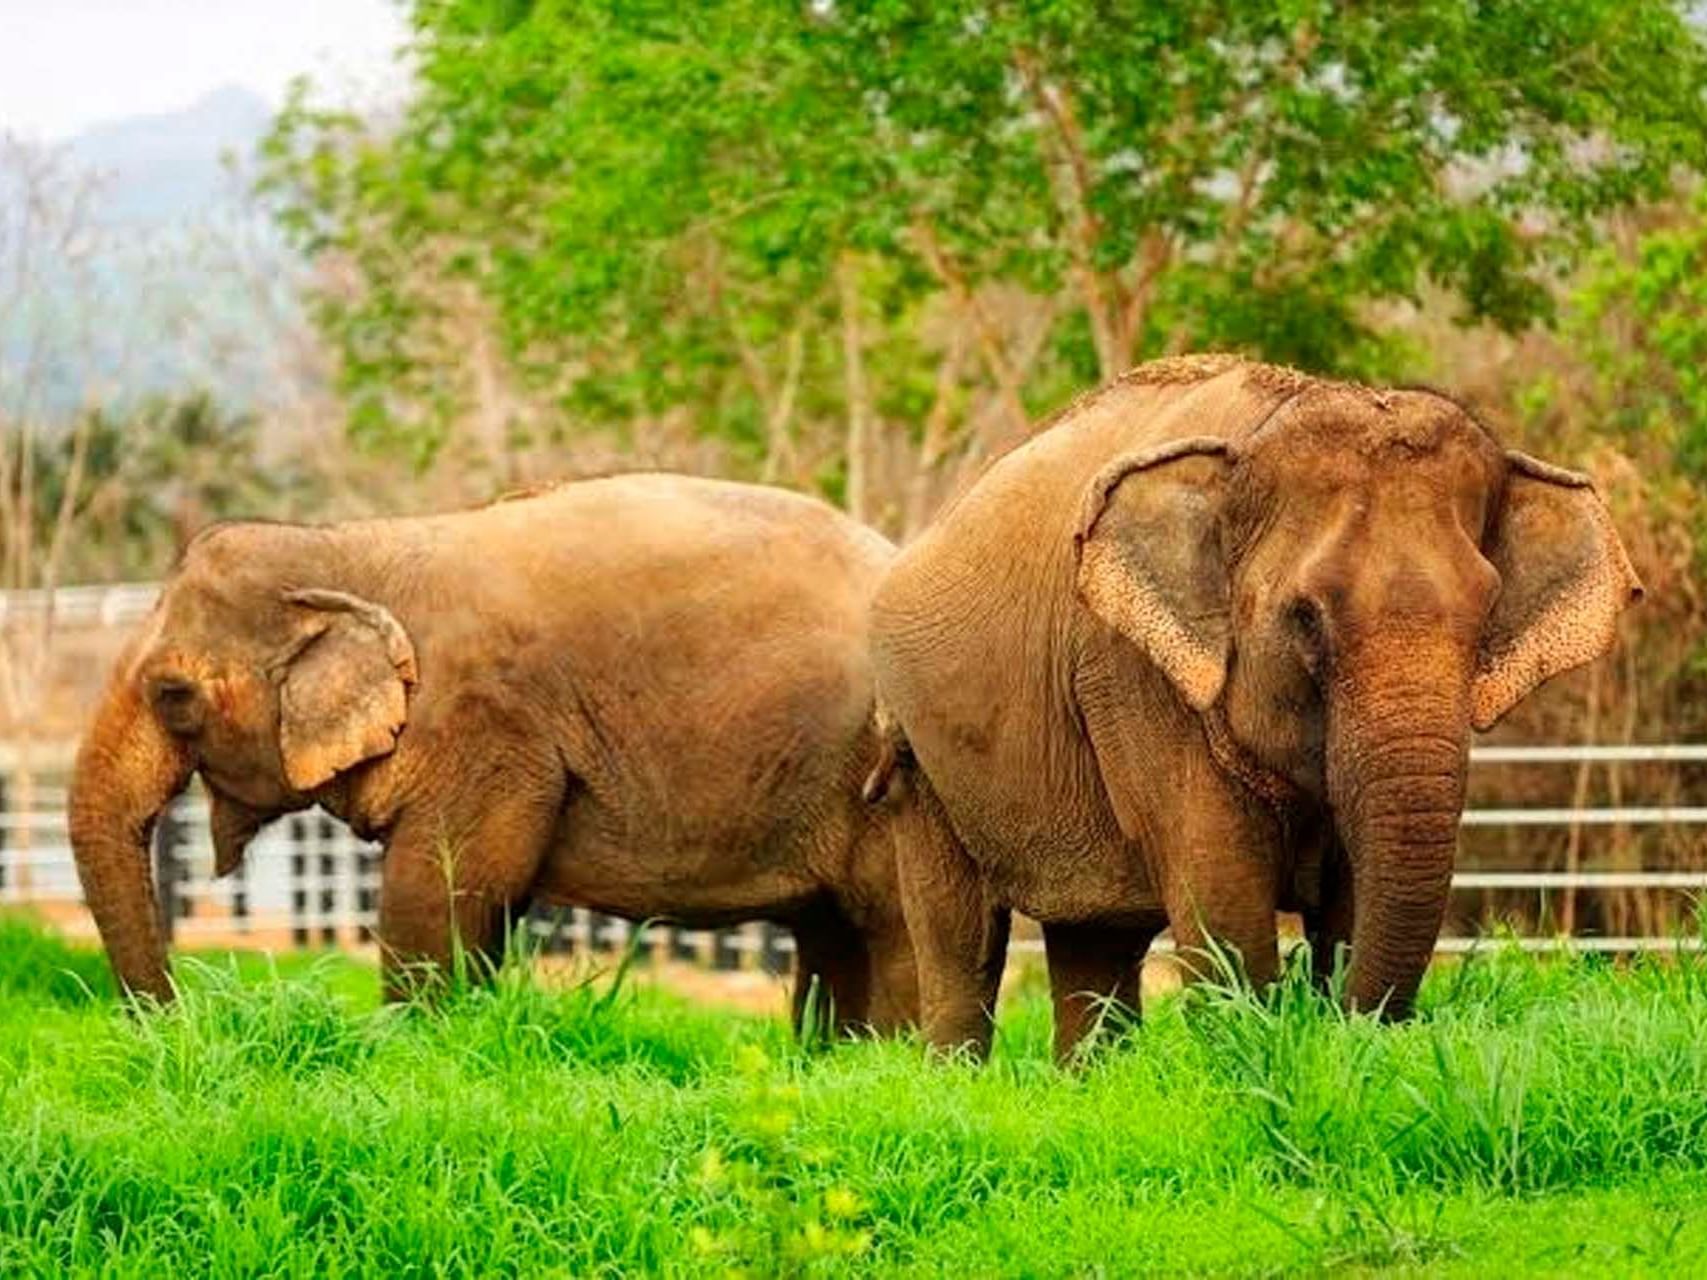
<point>1537,1118</point>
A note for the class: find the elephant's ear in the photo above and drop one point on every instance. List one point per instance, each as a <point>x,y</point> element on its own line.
<point>344,694</point>
<point>1564,579</point>
<point>1150,562</point>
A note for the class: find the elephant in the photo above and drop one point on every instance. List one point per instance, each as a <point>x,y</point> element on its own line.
<point>647,694</point>
<point>1210,646</point>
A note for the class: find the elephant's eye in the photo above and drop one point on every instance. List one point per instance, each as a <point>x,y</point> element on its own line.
<point>177,703</point>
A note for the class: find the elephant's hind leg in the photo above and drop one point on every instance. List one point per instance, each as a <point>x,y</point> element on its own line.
<point>1095,974</point>
<point>832,972</point>
<point>894,970</point>
<point>959,932</point>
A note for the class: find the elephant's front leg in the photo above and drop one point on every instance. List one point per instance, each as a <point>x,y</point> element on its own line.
<point>1327,927</point>
<point>1218,875</point>
<point>1095,973</point>
<point>450,886</point>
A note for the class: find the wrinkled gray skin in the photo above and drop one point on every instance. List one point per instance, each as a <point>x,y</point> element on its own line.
<point>649,694</point>
<point>1210,645</point>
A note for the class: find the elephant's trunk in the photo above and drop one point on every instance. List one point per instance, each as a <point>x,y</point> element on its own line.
<point>127,769</point>
<point>1397,751</point>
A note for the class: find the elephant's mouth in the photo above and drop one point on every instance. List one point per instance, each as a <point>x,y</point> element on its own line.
<point>232,824</point>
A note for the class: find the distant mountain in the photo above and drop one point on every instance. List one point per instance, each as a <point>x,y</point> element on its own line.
<point>162,169</point>
<point>180,282</point>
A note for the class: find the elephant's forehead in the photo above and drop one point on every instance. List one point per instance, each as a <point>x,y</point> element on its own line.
<point>186,610</point>
<point>1373,424</point>
<point>1413,471</point>
<point>1403,440</point>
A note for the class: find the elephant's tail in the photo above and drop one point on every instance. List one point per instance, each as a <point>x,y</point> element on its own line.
<point>894,754</point>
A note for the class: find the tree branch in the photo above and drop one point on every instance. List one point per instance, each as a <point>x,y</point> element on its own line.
<point>1103,296</point>
<point>934,440</point>
<point>859,396</point>
<point>948,272</point>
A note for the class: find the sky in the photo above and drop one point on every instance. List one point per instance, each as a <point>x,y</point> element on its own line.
<point>68,64</point>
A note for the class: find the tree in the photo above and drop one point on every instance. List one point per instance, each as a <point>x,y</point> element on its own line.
<point>772,216</point>
<point>46,228</point>
<point>1641,318</point>
<point>150,476</point>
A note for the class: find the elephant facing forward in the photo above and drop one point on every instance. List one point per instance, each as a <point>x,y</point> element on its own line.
<point>1211,645</point>
<point>646,694</point>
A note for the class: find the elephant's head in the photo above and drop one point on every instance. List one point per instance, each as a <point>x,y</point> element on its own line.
<point>251,671</point>
<point>1345,593</point>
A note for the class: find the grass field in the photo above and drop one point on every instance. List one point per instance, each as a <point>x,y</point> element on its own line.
<point>1542,1118</point>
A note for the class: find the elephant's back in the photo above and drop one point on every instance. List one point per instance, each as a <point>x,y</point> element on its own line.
<point>667,569</point>
<point>644,521</point>
<point>713,639</point>
<point>679,579</point>
<point>1002,554</point>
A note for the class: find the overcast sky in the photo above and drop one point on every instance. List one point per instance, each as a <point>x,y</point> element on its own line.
<point>67,64</point>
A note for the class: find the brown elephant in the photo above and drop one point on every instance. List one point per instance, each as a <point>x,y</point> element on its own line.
<point>1212,645</point>
<point>647,694</point>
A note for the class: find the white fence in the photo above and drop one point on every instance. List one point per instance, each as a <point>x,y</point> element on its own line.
<point>111,606</point>
<point>309,881</point>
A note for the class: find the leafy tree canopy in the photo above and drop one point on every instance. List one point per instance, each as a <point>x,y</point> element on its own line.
<point>765,214</point>
<point>1641,319</point>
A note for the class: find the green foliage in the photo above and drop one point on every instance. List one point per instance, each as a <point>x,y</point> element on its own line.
<point>1641,319</point>
<point>654,201</point>
<point>151,476</point>
<point>1538,1117</point>
<point>38,965</point>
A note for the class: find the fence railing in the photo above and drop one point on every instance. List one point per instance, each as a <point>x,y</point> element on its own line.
<point>104,606</point>
<point>309,881</point>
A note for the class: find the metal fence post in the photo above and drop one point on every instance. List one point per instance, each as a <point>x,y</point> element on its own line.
<point>773,957</point>
<point>596,923</point>
<point>726,949</point>
<point>683,945</point>
<point>298,830</point>
<point>324,833</point>
<point>367,891</point>
<point>240,896</point>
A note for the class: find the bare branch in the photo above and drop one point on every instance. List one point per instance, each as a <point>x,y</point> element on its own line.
<point>949,274</point>
<point>853,374</point>
<point>1072,179</point>
<point>779,441</point>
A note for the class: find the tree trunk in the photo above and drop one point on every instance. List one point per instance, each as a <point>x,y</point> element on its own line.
<point>859,396</point>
